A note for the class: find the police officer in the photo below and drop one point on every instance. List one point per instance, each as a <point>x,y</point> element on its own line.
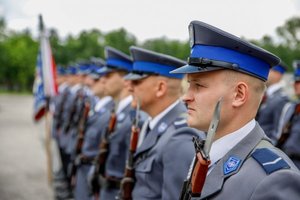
<point>244,164</point>
<point>62,113</point>
<point>60,183</point>
<point>290,138</point>
<point>98,118</point>
<point>273,101</point>
<point>118,65</point>
<point>163,158</point>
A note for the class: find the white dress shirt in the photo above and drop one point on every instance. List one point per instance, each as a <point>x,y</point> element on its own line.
<point>102,102</point>
<point>152,122</point>
<point>123,103</point>
<point>275,87</point>
<point>224,144</point>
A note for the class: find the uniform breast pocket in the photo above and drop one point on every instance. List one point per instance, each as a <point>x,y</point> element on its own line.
<point>145,179</point>
<point>145,166</point>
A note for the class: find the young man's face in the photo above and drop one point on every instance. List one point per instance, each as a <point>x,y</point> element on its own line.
<point>204,90</point>
<point>89,81</point>
<point>143,91</point>
<point>98,87</point>
<point>274,77</point>
<point>114,84</point>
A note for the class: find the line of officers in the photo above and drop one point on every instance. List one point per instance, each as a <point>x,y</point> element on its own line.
<point>100,101</point>
<point>103,89</point>
<point>279,111</point>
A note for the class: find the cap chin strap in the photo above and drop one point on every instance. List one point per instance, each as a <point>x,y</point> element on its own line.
<point>205,62</point>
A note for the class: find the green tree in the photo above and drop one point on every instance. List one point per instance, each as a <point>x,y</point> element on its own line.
<point>85,46</point>
<point>290,32</point>
<point>174,48</point>
<point>2,51</point>
<point>19,61</point>
<point>120,39</point>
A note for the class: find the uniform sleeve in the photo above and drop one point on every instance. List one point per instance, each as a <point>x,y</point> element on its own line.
<point>281,185</point>
<point>177,158</point>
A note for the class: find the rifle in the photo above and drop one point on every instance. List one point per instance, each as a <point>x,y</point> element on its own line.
<point>100,159</point>
<point>286,131</point>
<point>127,183</point>
<point>79,141</point>
<point>192,187</point>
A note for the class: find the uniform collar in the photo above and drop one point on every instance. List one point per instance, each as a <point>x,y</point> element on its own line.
<point>87,91</point>
<point>158,117</point>
<point>62,87</point>
<point>215,179</point>
<point>123,103</point>
<point>273,88</point>
<point>223,145</point>
<point>75,88</point>
<point>102,102</point>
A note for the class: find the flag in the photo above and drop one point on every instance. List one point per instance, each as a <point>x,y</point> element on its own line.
<point>45,86</point>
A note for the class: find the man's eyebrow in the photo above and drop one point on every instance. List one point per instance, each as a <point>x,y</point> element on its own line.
<point>195,80</point>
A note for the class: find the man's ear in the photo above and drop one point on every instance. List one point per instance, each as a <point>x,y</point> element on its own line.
<point>241,93</point>
<point>161,88</point>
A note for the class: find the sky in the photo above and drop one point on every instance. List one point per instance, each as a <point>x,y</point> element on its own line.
<point>148,19</point>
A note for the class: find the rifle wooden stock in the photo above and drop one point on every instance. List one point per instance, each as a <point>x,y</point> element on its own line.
<point>104,145</point>
<point>103,153</point>
<point>79,141</point>
<point>82,127</point>
<point>127,182</point>
<point>199,174</point>
<point>192,187</point>
<point>134,138</point>
<point>101,158</point>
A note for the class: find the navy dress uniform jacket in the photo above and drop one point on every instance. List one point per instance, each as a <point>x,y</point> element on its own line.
<point>163,159</point>
<point>256,177</point>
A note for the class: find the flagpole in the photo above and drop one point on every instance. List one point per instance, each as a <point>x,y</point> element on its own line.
<point>48,142</point>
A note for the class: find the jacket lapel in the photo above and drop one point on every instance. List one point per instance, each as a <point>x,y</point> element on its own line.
<point>215,179</point>
<point>160,128</point>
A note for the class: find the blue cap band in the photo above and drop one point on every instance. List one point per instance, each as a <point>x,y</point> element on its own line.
<point>297,74</point>
<point>156,68</point>
<point>72,70</point>
<point>120,64</point>
<point>61,71</point>
<point>245,62</point>
<point>279,69</point>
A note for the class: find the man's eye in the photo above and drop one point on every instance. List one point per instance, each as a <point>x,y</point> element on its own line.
<point>136,82</point>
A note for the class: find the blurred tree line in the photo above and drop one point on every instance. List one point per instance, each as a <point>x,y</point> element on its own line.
<point>18,50</point>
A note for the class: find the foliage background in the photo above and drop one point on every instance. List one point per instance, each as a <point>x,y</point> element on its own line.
<point>18,50</point>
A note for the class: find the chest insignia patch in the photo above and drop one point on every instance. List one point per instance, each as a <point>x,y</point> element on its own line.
<point>231,165</point>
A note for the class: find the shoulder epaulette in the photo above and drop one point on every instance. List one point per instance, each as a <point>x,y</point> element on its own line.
<point>269,160</point>
<point>180,123</point>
